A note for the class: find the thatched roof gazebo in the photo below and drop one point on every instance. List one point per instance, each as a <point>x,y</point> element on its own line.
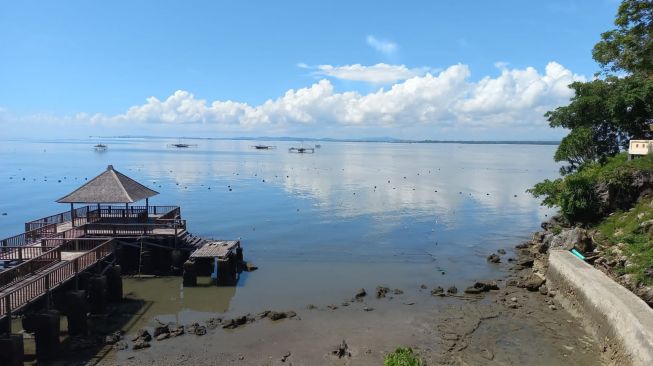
<point>109,187</point>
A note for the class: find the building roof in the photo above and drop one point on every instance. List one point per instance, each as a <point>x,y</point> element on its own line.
<point>109,187</point>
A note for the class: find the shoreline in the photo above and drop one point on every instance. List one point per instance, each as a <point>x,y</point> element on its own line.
<point>514,319</point>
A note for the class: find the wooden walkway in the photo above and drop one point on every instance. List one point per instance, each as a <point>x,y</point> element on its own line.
<point>55,249</point>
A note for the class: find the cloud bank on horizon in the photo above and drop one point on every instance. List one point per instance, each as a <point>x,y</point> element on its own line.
<point>418,104</point>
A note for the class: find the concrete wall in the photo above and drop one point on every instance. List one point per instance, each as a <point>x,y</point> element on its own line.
<point>615,314</point>
<point>640,147</point>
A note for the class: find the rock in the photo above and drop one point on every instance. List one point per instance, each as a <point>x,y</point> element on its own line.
<point>452,290</point>
<point>342,350</point>
<point>176,330</point>
<point>163,336</point>
<point>235,322</point>
<point>278,315</point>
<point>423,287</point>
<point>360,294</point>
<point>487,354</point>
<point>513,299</point>
<point>311,307</point>
<point>646,294</point>
<point>501,251</point>
<point>200,330</point>
<point>114,337</point>
<point>513,305</point>
<point>332,307</point>
<point>648,272</point>
<point>163,329</point>
<point>552,307</point>
<point>250,267</point>
<point>493,258</point>
<point>532,283</point>
<point>285,357</point>
<point>629,281</point>
<point>543,290</point>
<point>473,290</point>
<point>368,309</point>
<point>142,334</point>
<point>140,344</point>
<point>263,314</point>
<point>523,245</point>
<point>437,291</point>
<point>398,291</point>
<point>121,345</point>
<point>526,262</point>
<point>381,291</point>
<point>213,323</point>
<point>572,238</point>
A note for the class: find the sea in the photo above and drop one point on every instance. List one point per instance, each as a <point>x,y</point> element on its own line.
<point>319,225</point>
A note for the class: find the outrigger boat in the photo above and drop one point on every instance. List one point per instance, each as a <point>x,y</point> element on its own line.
<point>302,150</point>
<point>264,147</point>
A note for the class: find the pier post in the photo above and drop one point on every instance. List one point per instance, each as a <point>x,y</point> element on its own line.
<point>12,350</point>
<point>239,254</point>
<point>46,328</point>
<point>114,283</point>
<point>147,267</point>
<point>76,312</point>
<point>190,274</point>
<point>97,294</point>
<point>227,272</point>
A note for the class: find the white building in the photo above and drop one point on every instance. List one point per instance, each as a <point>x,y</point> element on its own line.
<point>640,147</point>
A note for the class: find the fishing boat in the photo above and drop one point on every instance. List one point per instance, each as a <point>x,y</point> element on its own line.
<point>181,145</point>
<point>302,150</point>
<point>100,147</point>
<point>264,147</point>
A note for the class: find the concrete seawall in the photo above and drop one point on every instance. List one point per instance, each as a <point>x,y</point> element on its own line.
<point>615,314</point>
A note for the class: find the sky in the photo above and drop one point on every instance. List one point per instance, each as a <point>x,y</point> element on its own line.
<point>470,70</point>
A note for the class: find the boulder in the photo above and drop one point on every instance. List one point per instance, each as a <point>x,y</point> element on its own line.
<point>360,294</point>
<point>140,344</point>
<point>532,283</point>
<point>493,258</point>
<point>481,286</point>
<point>572,238</point>
<point>437,291</point>
<point>452,290</point>
<point>381,291</point>
<point>142,334</point>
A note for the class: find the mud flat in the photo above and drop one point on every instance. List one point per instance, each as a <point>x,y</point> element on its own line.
<point>511,325</point>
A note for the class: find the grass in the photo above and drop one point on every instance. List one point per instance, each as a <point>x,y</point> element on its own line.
<point>622,230</point>
<point>402,357</point>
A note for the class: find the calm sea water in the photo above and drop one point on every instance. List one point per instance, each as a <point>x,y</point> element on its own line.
<point>319,225</point>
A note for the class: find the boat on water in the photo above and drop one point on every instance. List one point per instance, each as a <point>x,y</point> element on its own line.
<point>318,146</point>
<point>181,145</point>
<point>302,150</point>
<point>264,147</point>
<point>100,147</point>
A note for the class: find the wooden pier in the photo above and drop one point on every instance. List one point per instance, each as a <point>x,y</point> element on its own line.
<point>53,251</point>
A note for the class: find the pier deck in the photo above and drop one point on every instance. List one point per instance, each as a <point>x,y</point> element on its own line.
<point>54,249</point>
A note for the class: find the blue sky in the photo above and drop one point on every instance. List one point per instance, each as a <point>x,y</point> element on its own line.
<point>457,68</point>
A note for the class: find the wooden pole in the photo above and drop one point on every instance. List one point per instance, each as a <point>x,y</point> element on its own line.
<point>72,213</point>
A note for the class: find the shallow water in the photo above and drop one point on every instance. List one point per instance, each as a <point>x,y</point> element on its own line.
<point>319,225</point>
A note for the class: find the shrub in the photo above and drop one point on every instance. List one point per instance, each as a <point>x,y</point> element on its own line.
<point>402,357</point>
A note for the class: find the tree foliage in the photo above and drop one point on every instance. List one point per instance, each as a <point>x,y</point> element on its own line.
<point>628,48</point>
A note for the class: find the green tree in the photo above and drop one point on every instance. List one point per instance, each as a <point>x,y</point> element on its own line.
<point>605,114</point>
<point>629,47</point>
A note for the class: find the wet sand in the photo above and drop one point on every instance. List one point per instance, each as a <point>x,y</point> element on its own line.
<point>458,329</point>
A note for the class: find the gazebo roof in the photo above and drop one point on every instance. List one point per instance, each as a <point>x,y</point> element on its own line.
<point>109,187</point>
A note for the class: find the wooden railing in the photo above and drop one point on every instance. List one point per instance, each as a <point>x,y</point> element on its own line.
<point>28,268</point>
<point>24,293</point>
<point>118,229</point>
<point>60,218</point>
<point>29,237</point>
<point>21,253</point>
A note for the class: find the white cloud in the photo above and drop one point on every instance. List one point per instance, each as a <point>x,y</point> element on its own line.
<point>386,47</point>
<point>448,98</point>
<point>375,74</point>
<point>423,106</point>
